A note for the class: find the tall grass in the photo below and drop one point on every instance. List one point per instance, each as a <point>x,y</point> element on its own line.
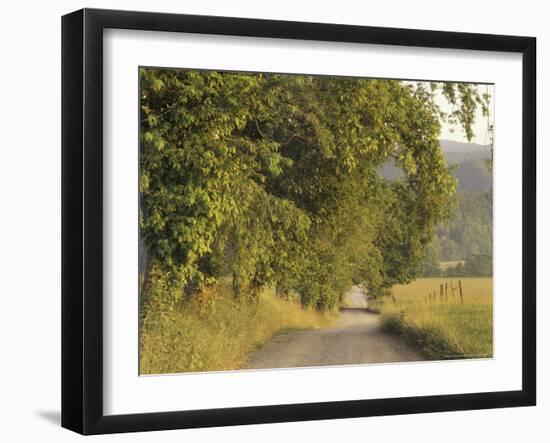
<point>216,333</point>
<point>445,329</point>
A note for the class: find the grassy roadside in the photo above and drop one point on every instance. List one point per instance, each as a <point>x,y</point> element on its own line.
<point>443,329</point>
<point>216,333</point>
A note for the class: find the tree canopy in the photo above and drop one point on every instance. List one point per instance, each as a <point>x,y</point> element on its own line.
<point>272,179</point>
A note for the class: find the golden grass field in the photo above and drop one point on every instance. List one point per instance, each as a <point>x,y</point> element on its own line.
<point>445,329</point>
<point>217,333</point>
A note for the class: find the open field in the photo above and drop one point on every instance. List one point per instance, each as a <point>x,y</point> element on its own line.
<point>215,333</point>
<point>444,327</point>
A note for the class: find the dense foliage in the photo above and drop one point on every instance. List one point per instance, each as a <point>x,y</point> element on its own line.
<point>474,266</point>
<point>269,179</point>
<point>470,230</point>
<point>468,233</point>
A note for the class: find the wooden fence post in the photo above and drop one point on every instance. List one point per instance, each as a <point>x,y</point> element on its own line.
<point>446,290</point>
<point>460,292</point>
<point>441,292</point>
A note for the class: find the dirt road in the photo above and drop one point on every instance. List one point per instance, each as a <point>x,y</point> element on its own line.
<point>355,338</point>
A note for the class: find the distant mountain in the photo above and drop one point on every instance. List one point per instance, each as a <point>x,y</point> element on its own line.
<point>472,175</point>
<point>469,161</point>
<point>470,164</point>
<point>461,157</point>
<point>448,146</point>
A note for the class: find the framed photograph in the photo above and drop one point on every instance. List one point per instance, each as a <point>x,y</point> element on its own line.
<point>268,221</point>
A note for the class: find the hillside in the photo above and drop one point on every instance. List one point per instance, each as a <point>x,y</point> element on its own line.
<point>470,228</point>
<point>450,146</point>
<point>468,160</point>
<point>473,175</point>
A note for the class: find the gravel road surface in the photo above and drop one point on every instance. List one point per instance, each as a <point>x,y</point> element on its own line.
<point>355,338</point>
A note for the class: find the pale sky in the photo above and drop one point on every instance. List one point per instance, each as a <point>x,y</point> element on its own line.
<point>481,132</point>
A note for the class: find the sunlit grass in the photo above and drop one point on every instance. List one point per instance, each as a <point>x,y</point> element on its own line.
<point>217,333</point>
<point>444,328</point>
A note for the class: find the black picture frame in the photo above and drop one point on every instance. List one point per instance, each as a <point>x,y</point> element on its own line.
<point>82,218</point>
